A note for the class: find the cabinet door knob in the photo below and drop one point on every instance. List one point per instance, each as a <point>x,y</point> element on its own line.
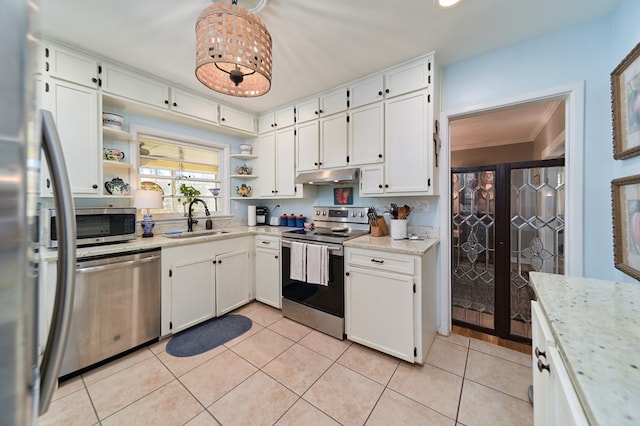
<point>380,186</point>
<point>315,164</point>
<point>380,93</point>
<point>166,102</point>
<point>94,80</point>
<point>94,186</point>
<point>175,104</point>
<point>543,366</point>
<point>377,261</point>
<point>347,273</point>
<point>540,353</point>
<point>222,119</point>
<point>276,257</point>
<point>379,155</point>
<point>275,124</point>
<point>316,112</point>
<point>386,185</point>
<point>321,111</point>
<point>386,91</point>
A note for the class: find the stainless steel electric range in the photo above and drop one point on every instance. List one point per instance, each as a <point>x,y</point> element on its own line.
<point>318,306</point>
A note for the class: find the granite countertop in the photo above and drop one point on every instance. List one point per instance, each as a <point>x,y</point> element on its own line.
<point>414,247</point>
<point>596,325</point>
<point>159,241</point>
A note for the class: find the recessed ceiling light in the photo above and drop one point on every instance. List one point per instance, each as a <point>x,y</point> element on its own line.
<point>448,3</point>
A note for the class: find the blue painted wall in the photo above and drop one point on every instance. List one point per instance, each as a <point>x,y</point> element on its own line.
<point>585,53</point>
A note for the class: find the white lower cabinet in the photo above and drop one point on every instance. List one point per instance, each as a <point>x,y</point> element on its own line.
<point>390,301</point>
<point>204,280</point>
<point>381,311</point>
<point>192,291</point>
<point>233,283</point>
<point>555,401</point>
<point>268,270</point>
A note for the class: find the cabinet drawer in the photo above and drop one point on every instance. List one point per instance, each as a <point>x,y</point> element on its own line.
<point>267,242</point>
<point>380,260</point>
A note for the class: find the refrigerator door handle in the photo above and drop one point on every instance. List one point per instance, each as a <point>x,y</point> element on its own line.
<point>65,287</point>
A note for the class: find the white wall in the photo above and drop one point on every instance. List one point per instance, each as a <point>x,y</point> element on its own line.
<point>579,54</point>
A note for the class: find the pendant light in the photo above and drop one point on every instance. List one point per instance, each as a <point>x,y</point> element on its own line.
<point>233,51</point>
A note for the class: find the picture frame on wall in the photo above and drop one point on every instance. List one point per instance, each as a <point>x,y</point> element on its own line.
<point>625,194</point>
<point>343,196</point>
<point>625,106</point>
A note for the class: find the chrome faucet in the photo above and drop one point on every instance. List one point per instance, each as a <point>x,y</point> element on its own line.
<point>191,221</point>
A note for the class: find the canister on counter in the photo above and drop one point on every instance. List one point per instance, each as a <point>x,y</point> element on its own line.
<point>291,220</point>
<point>300,221</point>
<point>283,220</point>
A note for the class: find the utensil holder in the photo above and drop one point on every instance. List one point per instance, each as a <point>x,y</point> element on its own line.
<point>398,229</point>
<point>380,228</point>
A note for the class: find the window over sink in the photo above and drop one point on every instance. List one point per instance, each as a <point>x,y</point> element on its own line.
<point>182,170</point>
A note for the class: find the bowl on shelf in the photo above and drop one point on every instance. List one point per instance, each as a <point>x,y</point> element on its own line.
<point>246,149</point>
<point>243,170</point>
<point>113,154</point>
<point>214,191</point>
<point>114,121</point>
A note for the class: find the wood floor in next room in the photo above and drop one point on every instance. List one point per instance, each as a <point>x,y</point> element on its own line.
<point>283,373</point>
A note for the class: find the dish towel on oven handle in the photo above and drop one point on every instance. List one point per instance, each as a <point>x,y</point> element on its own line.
<point>318,264</point>
<point>298,262</point>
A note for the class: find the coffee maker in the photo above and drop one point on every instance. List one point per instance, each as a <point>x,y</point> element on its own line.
<point>262,215</point>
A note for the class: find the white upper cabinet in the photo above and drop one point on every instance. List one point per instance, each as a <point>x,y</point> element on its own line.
<point>192,105</point>
<point>277,165</point>
<point>236,119</point>
<point>307,110</point>
<point>396,81</point>
<point>328,103</point>
<point>366,134</point>
<point>333,102</point>
<point>75,111</point>
<point>366,91</point>
<point>71,66</point>
<point>407,77</point>
<point>308,146</point>
<point>333,141</point>
<point>128,84</point>
<point>279,119</point>
<point>408,144</point>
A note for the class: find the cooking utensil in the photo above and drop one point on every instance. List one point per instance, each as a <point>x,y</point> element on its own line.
<point>394,211</point>
<point>403,212</point>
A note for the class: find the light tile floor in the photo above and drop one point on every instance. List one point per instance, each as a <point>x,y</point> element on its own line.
<point>283,373</point>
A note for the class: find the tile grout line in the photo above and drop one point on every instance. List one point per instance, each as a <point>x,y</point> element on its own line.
<point>464,375</point>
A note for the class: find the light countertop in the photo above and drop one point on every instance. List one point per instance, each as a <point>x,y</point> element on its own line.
<point>159,241</point>
<point>596,325</point>
<point>414,247</point>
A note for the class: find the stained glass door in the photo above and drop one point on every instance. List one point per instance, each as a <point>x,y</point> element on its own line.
<point>507,220</point>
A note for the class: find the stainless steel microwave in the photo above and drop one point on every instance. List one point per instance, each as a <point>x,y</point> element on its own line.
<point>97,226</point>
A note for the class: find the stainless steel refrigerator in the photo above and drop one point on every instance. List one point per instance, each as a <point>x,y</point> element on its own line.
<point>28,378</point>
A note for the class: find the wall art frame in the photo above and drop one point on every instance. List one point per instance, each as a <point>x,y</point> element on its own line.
<point>625,106</point>
<point>625,195</point>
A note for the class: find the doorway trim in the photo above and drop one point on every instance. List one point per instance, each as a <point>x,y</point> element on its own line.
<point>573,95</point>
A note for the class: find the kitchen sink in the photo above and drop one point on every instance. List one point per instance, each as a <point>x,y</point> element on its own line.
<point>179,234</point>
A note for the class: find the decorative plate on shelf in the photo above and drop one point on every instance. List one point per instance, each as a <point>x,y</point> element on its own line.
<point>151,186</point>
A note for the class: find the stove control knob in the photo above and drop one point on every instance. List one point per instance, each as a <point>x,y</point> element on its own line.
<point>362,214</point>
<point>324,212</point>
<point>353,214</point>
<point>317,212</point>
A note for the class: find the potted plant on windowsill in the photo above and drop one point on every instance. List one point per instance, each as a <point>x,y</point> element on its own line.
<point>189,193</point>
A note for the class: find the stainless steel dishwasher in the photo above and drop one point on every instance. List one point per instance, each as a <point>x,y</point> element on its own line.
<point>116,307</point>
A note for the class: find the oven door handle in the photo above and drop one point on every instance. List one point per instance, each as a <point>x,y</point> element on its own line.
<point>334,249</point>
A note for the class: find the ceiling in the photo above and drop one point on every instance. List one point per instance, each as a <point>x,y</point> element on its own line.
<point>513,125</point>
<point>317,44</point>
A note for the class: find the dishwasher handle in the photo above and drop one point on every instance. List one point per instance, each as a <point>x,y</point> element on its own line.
<point>117,265</point>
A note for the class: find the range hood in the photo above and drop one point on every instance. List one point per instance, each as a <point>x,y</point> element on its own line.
<point>328,177</point>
